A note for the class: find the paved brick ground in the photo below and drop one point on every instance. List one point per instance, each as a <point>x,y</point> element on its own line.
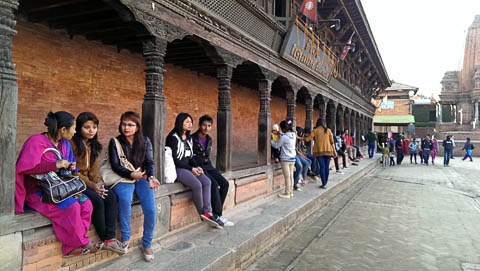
<point>408,217</point>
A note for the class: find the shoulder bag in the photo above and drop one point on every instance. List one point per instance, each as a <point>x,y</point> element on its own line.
<point>110,178</point>
<point>59,186</point>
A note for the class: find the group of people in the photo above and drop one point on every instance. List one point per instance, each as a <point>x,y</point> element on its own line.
<point>289,148</point>
<point>77,142</point>
<point>426,148</point>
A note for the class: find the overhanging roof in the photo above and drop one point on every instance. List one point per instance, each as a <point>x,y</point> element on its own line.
<point>387,119</point>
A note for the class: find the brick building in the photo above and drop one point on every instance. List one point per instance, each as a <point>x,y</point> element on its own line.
<point>247,63</point>
<point>460,95</point>
<point>394,110</point>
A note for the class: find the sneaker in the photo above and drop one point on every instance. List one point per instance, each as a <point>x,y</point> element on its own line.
<point>216,218</point>
<point>297,189</point>
<point>323,187</point>
<point>345,167</point>
<point>354,164</point>
<point>124,247</point>
<point>285,196</point>
<point>207,218</point>
<point>225,222</point>
<point>115,245</point>
<point>339,172</point>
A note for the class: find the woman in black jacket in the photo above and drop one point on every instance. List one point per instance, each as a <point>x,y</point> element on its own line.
<point>189,173</point>
<point>138,151</point>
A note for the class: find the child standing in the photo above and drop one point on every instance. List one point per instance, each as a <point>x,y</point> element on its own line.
<point>286,144</point>
<point>385,154</point>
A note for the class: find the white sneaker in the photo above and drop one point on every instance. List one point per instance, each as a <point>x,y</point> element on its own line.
<point>339,172</point>
<point>225,222</point>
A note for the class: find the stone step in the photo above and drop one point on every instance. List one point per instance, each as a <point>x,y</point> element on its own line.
<point>259,225</point>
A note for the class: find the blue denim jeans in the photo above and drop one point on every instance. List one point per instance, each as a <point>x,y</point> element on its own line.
<point>301,166</point>
<point>324,162</point>
<point>144,193</point>
<point>313,159</point>
<point>446,157</point>
<point>371,149</point>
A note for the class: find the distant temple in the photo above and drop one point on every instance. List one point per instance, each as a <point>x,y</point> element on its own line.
<point>461,89</point>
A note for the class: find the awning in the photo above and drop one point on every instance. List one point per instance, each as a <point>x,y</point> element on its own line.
<point>402,119</point>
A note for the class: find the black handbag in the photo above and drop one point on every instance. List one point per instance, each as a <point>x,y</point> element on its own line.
<point>59,186</point>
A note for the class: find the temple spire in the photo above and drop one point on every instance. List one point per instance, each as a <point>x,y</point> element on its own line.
<point>472,55</point>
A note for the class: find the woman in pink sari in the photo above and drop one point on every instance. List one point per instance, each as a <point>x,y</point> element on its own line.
<point>435,149</point>
<point>70,218</point>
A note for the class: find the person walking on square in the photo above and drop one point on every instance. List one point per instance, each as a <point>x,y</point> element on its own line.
<point>453,148</point>
<point>286,144</point>
<point>189,173</point>
<point>447,149</point>
<point>371,139</point>
<point>468,147</point>
<point>434,151</point>
<point>427,146</point>
<point>413,148</point>
<point>400,150</point>
<point>385,154</point>
<point>139,152</point>
<point>202,146</point>
<point>324,149</point>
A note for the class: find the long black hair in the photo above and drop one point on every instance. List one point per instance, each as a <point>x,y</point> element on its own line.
<point>137,153</point>
<point>178,128</point>
<point>286,125</point>
<point>95,146</point>
<point>321,122</point>
<point>58,120</point>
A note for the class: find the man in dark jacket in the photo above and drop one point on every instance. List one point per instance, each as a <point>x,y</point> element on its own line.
<point>427,146</point>
<point>372,140</point>
<point>202,145</point>
<point>447,150</point>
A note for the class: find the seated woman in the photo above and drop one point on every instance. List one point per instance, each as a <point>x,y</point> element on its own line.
<point>138,151</point>
<point>86,149</point>
<point>188,172</point>
<point>70,218</point>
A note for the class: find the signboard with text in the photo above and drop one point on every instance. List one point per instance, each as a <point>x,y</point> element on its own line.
<point>303,48</point>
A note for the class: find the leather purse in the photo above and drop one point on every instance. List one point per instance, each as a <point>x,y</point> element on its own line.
<point>110,178</point>
<point>59,186</point>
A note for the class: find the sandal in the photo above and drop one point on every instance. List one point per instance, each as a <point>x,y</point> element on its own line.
<point>93,247</point>
<point>147,257</point>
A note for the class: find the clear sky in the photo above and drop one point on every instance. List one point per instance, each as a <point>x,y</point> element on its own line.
<point>419,40</point>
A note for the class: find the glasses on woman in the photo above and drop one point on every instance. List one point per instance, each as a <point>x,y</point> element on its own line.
<point>128,125</point>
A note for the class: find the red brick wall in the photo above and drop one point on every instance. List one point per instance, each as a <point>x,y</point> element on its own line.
<point>401,107</point>
<point>75,75</point>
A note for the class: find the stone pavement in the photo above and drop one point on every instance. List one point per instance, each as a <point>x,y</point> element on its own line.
<point>408,217</point>
<point>259,225</point>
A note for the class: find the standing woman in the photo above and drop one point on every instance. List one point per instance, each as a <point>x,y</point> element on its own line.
<point>287,155</point>
<point>412,149</point>
<point>434,151</point>
<point>323,149</point>
<point>86,148</point>
<point>188,172</point>
<point>70,218</point>
<point>138,151</point>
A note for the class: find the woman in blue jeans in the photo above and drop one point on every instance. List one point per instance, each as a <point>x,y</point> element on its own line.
<point>138,151</point>
<point>302,162</point>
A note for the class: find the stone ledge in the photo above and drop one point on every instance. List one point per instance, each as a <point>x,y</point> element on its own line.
<point>259,224</point>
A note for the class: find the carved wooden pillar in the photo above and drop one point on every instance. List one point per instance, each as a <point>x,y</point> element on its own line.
<point>340,121</point>
<point>9,101</point>
<point>154,107</point>
<point>264,123</point>
<point>323,110</point>
<point>332,117</point>
<point>309,119</point>
<point>224,119</point>
<point>291,107</point>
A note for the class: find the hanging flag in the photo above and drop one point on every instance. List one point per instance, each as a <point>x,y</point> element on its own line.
<point>347,47</point>
<point>309,9</point>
